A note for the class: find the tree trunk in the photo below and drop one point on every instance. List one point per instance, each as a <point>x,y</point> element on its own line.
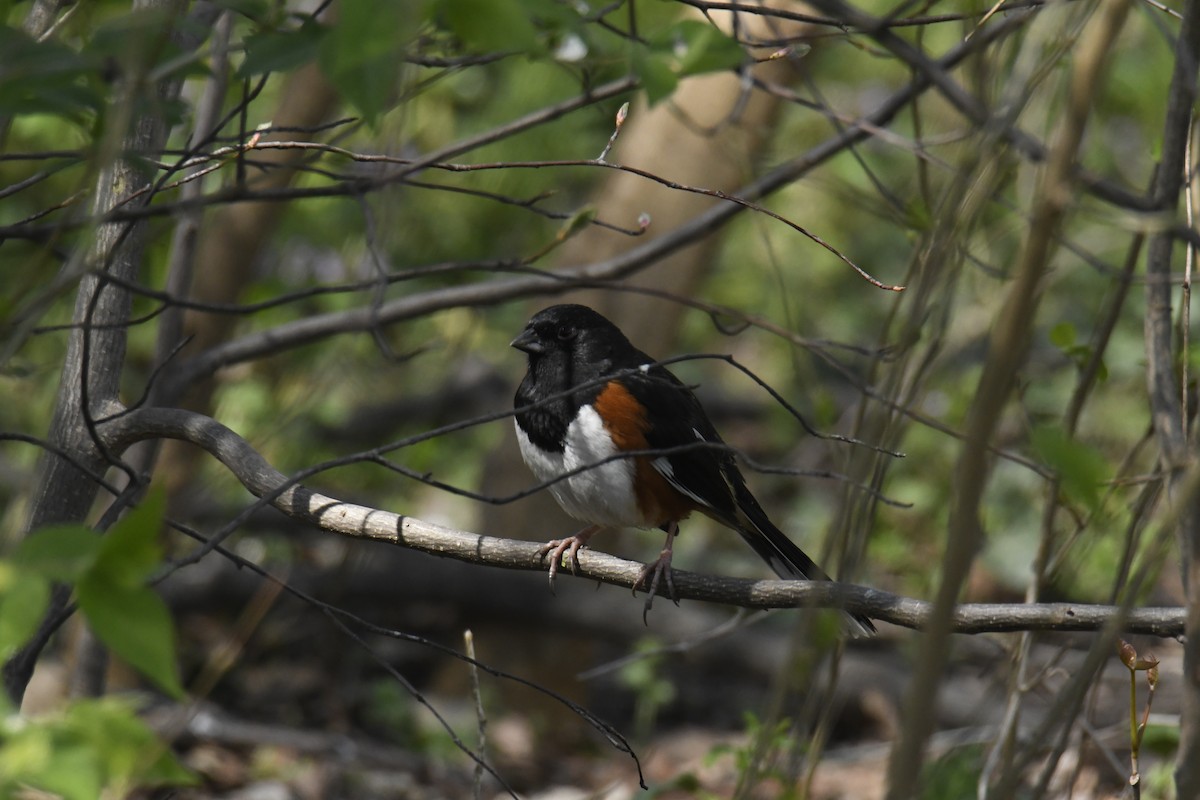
<point>73,466</point>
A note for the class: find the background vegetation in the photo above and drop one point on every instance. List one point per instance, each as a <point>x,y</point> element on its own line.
<point>281,248</point>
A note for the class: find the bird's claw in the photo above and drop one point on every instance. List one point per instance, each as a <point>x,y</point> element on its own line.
<point>651,576</point>
<point>556,548</point>
<point>570,546</point>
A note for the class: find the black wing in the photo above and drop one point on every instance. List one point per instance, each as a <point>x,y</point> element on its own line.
<point>705,474</point>
<point>709,475</point>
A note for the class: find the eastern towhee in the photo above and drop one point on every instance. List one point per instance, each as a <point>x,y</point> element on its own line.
<point>590,395</point>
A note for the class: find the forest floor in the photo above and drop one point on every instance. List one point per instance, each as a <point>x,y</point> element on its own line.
<point>303,710</point>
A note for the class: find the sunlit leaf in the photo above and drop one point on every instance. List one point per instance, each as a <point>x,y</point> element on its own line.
<point>93,749</point>
<point>577,222</point>
<point>111,726</point>
<point>74,773</point>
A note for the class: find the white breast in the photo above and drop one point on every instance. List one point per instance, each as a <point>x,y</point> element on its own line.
<point>601,495</point>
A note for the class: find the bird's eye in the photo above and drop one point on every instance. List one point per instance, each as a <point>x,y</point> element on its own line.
<point>565,333</point>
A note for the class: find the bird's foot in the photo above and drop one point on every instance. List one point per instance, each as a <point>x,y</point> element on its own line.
<point>651,576</point>
<point>569,546</point>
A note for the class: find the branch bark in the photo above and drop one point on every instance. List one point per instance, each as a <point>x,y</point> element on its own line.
<point>362,522</point>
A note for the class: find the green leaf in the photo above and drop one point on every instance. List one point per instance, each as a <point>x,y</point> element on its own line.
<point>59,552</point>
<point>254,9</point>
<point>135,624</point>
<point>73,773</point>
<point>686,48</point>
<point>1081,469</point>
<point>132,36</point>
<point>953,774</point>
<point>486,26</point>
<point>111,727</point>
<point>577,222</point>
<point>25,58</point>
<point>95,748</point>
<point>1161,738</point>
<point>110,574</point>
<point>655,74</point>
<point>652,18</point>
<point>45,77</point>
<point>130,551</point>
<point>701,47</point>
<point>552,18</point>
<point>918,216</point>
<point>1063,335</point>
<point>281,51</point>
<point>26,752</point>
<point>363,52</point>
<point>23,601</point>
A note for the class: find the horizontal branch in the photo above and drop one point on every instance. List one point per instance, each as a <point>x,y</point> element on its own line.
<point>363,522</point>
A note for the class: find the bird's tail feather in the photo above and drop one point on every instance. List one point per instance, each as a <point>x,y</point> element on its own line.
<point>783,556</point>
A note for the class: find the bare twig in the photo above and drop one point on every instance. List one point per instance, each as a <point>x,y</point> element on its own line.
<point>299,332</point>
<point>1008,347</point>
<point>480,716</point>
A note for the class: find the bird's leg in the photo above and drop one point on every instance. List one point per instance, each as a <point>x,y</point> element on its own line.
<point>570,545</point>
<point>654,572</point>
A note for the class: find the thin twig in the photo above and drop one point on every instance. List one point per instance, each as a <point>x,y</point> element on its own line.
<point>480,716</point>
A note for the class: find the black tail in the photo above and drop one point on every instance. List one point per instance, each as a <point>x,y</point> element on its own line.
<point>786,559</point>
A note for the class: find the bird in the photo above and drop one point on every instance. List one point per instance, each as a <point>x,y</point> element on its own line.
<point>588,398</point>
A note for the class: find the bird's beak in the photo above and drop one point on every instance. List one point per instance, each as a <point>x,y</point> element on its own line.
<point>527,342</point>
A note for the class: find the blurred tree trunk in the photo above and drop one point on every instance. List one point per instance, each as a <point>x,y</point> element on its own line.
<point>232,241</point>
<point>90,381</point>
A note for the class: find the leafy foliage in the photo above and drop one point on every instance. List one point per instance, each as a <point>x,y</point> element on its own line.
<point>99,747</point>
<point>652,690</point>
<point>1081,468</point>
<point>47,78</point>
<point>95,748</point>
<point>109,573</point>
<point>928,197</point>
<point>953,774</point>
